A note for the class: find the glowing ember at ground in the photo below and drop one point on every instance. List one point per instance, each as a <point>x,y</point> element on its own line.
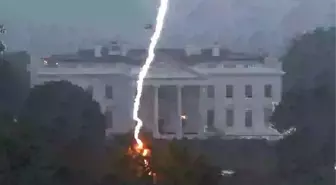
<point>145,153</point>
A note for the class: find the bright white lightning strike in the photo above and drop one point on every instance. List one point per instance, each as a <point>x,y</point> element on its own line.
<point>143,72</point>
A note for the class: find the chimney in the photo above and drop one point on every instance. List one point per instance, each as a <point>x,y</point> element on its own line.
<point>114,48</point>
<point>216,50</point>
<point>272,62</point>
<point>124,50</point>
<point>98,51</point>
<point>192,50</point>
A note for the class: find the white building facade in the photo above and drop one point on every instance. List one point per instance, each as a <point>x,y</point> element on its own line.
<point>183,96</point>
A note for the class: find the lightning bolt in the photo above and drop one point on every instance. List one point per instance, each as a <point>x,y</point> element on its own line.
<point>144,69</point>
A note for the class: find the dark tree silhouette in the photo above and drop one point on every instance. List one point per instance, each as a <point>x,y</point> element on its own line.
<point>308,155</point>
<point>310,61</point>
<point>71,129</point>
<point>14,83</point>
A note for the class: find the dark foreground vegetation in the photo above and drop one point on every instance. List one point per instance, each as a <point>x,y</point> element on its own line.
<point>53,134</point>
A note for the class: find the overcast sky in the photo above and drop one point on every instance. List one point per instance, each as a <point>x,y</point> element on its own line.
<point>54,26</point>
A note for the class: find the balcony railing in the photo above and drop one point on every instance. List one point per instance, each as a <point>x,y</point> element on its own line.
<point>73,68</point>
<point>229,65</point>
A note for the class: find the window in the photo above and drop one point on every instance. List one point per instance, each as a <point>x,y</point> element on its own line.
<point>162,93</point>
<point>108,92</point>
<point>210,118</point>
<point>248,118</point>
<point>229,65</point>
<point>229,117</point>
<point>109,119</point>
<point>184,123</point>
<point>268,112</point>
<point>115,48</point>
<point>248,91</point>
<point>211,91</point>
<point>229,91</point>
<point>89,90</point>
<point>212,65</point>
<point>161,125</point>
<point>268,91</point>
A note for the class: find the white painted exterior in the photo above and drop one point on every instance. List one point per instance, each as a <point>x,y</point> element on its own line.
<point>187,94</point>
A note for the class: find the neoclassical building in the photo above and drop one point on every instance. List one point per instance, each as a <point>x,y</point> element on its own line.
<point>189,92</point>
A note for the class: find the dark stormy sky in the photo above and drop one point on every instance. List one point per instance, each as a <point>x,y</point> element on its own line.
<point>54,26</point>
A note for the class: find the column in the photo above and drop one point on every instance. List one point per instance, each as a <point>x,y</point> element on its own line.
<point>179,129</point>
<point>156,132</point>
<point>202,110</point>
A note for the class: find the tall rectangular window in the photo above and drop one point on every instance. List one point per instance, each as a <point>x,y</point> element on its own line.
<point>89,89</point>
<point>268,112</point>
<point>162,93</point>
<point>184,123</point>
<point>268,91</point>
<point>211,91</point>
<point>248,91</point>
<point>109,119</point>
<point>229,117</point>
<point>108,92</point>
<point>210,118</point>
<point>161,125</point>
<point>229,91</point>
<point>248,118</point>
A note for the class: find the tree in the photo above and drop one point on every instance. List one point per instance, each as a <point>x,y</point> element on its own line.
<point>250,160</point>
<point>177,164</point>
<point>310,61</point>
<point>15,149</point>
<point>14,82</point>
<point>311,148</point>
<point>126,165</point>
<point>172,163</point>
<point>308,155</point>
<point>71,131</point>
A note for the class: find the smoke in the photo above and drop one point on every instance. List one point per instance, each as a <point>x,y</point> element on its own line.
<point>238,24</point>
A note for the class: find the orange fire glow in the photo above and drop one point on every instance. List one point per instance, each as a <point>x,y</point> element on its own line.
<point>144,152</point>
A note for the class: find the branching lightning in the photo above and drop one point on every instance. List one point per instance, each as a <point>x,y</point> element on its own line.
<point>144,70</point>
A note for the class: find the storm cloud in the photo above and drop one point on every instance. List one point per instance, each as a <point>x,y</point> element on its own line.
<point>47,26</point>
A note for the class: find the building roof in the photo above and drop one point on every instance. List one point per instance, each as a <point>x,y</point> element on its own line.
<point>86,56</point>
<point>169,62</point>
<point>204,56</point>
<point>137,56</point>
